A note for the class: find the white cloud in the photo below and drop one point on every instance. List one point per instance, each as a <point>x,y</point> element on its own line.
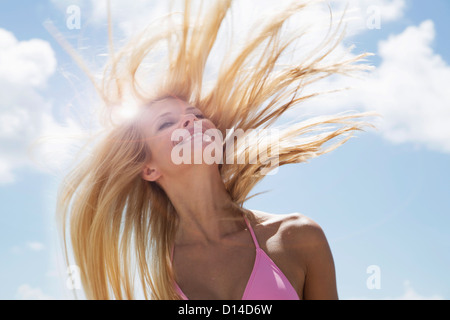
<point>6,175</point>
<point>26,292</point>
<point>411,294</point>
<point>56,146</point>
<point>409,89</point>
<point>129,16</point>
<point>133,16</point>
<point>25,68</point>
<point>25,63</point>
<point>364,15</point>
<point>35,246</point>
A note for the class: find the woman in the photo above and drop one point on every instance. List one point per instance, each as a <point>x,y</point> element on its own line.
<point>182,226</point>
<point>215,251</point>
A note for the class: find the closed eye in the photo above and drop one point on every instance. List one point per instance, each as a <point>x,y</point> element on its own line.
<point>170,123</point>
<point>166,124</point>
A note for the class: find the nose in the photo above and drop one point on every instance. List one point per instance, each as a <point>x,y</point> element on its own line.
<point>189,120</point>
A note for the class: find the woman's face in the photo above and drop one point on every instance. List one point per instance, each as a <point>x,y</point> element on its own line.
<point>169,129</point>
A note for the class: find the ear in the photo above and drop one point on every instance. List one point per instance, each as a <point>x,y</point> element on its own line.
<point>150,174</point>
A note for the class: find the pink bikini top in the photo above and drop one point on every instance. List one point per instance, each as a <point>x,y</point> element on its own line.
<point>266,282</point>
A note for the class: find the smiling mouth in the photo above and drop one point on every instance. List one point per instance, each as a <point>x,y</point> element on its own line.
<point>205,138</point>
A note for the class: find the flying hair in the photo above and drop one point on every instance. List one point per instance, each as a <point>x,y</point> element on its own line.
<point>119,225</point>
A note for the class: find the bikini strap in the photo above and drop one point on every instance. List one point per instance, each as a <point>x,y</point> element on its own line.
<point>255,241</point>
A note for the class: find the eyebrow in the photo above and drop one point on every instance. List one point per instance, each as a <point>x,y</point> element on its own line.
<point>167,113</point>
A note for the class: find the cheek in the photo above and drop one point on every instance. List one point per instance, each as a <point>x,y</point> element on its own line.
<point>161,149</point>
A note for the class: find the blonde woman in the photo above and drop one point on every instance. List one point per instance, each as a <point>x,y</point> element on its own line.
<point>182,227</point>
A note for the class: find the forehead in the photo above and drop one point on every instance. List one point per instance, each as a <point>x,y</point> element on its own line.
<point>166,105</point>
<point>157,109</point>
<point>154,112</point>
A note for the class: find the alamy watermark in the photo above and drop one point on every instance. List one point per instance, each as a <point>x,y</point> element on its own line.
<point>373,17</point>
<point>73,280</point>
<point>374,280</point>
<point>73,17</point>
<point>259,146</point>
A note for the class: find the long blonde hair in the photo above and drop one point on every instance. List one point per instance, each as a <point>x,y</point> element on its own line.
<point>119,223</point>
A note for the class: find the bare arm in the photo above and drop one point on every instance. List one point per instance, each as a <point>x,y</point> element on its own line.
<point>313,251</point>
<point>320,279</point>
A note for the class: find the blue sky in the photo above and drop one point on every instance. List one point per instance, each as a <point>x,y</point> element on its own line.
<point>382,198</point>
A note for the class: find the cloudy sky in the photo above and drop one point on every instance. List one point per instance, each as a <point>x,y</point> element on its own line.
<point>382,198</point>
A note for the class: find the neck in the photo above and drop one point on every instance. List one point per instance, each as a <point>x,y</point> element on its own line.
<point>205,209</point>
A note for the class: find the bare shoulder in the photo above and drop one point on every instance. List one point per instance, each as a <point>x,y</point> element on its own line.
<point>301,230</point>
<point>293,230</point>
<point>298,245</point>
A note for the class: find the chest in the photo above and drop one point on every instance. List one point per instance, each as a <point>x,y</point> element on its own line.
<point>215,272</point>
<point>224,272</point>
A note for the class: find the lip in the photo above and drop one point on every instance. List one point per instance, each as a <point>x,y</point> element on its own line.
<point>189,135</point>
